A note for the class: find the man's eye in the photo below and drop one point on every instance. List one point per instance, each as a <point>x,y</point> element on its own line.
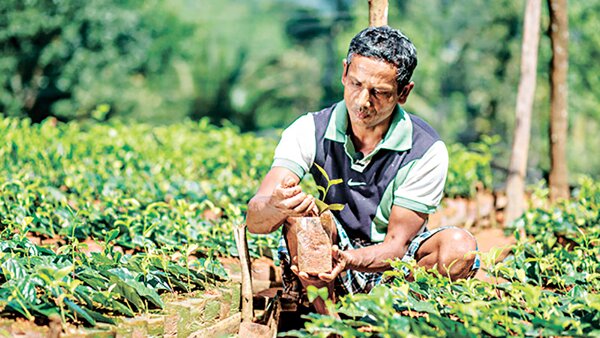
<point>381,93</point>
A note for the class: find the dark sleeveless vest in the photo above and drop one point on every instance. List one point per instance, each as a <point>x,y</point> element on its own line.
<point>361,202</point>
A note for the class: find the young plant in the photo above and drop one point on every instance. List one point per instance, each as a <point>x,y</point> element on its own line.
<point>321,205</point>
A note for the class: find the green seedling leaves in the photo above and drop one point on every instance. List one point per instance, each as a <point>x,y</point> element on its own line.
<point>336,207</point>
<point>321,190</point>
<point>336,181</point>
<point>79,311</point>
<point>145,192</point>
<point>323,172</point>
<point>321,205</point>
<point>127,292</point>
<point>313,293</point>
<point>111,235</point>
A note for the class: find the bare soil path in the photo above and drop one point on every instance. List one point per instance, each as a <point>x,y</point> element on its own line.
<point>488,239</point>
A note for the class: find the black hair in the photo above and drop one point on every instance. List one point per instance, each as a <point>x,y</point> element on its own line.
<point>389,45</point>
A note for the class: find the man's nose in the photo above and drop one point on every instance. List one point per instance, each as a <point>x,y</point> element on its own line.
<point>364,98</point>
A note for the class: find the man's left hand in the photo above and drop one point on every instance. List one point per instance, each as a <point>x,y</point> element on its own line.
<point>341,261</point>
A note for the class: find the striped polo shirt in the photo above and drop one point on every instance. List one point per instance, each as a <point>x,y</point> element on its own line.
<point>407,168</point>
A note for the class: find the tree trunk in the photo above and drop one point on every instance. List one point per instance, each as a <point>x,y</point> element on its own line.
<point>378,13</point>
<point>515,185</point>
<point>559,37</point>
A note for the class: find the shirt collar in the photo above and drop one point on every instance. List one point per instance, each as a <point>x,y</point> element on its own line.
<point>397,138</point>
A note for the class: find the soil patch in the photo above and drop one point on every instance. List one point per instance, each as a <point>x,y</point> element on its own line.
<point>487,239</point>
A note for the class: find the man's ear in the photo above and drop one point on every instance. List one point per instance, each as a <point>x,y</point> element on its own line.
<point>405,92</point>
<point>345,70</point>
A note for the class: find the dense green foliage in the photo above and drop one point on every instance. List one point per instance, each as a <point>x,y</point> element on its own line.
<point>551,287</point>
<point>470,168</point>
<point>261,63</point>
<point>39,282</point>
<point>160,203</point>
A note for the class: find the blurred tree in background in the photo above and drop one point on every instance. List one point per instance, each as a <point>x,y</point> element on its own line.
<point>261,63</point>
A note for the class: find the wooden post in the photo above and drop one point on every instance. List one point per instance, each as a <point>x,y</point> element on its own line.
<point>559,37</point>
<point>378,13</point>
<point>239,232</point>
<point>515,184</point>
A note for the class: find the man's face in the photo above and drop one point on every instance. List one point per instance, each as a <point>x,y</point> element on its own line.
<point>371,91</point>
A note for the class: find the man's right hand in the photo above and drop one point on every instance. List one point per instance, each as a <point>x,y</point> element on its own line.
<point>289,199</point>
<point>278,198</point>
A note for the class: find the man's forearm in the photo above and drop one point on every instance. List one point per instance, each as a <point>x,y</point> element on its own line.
<point>374,258</point>
<point>262,218</point>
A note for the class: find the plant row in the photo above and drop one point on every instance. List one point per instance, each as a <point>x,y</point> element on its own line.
<point>548,286</point>
<point>98,221</point>
<point>87,209</point>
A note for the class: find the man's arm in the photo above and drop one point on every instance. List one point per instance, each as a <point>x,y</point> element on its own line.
<point>403,226</point>
<point>278,198</point>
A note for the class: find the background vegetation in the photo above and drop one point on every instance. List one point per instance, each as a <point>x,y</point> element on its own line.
<point>103,219</point>
<point>261,63</point>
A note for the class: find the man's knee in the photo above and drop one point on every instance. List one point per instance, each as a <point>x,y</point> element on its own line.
<point>457,253</point>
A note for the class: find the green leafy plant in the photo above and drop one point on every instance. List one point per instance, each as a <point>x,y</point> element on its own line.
<point>470,167</point>
<point>321,205</point>
<point>312,292</point>
<point>548,286</point>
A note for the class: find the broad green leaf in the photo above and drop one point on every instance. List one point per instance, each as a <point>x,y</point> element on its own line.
<point>94,279</point>
<point>336,207</point>
<point>82,294</point>
<point>63,272</point>
<point>321,190</point>
<point>322,206</point>
<point>126,291</point>
<point>323,293</point>
<point>147,293</point>
<point>121,308</point>
<point>100,317</point>
<point>323,172</point>
<point>312,293</point>
<point>424,306</point>
<point>12,269</point>
<point>17,307</point>
<point>111,235</point>
<point>191,249</point>
<point>81,312</point>
<point>336,181</point>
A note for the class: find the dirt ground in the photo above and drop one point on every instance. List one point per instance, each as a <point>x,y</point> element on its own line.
<point>488,239</point>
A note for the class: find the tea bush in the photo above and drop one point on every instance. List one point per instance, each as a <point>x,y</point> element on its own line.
<point>159,202</point>
<point>551,287</point>
<point>470,166</point>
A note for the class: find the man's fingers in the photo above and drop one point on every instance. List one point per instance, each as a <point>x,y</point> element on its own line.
<point>288,182</point>
<point>326,277</point>
<point>301,274</point>
<point>294,201</point>
<point>304,207</point>
<point>337,269</point>
<point>286,193</point>
<point>335,252</point>
<point>329,277</point>
<point>313,208</point>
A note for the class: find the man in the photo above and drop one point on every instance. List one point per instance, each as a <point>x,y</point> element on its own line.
<point>393,167</point>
